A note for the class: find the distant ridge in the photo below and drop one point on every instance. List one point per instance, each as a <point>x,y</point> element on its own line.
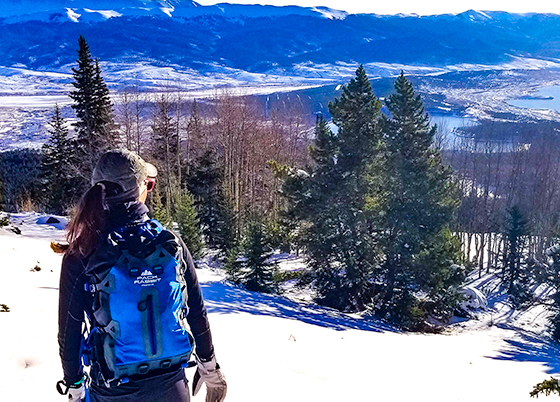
<point>42,35</point>
<point>41,10</point>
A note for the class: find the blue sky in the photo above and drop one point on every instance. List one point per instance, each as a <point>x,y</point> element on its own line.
<point>422,7</point>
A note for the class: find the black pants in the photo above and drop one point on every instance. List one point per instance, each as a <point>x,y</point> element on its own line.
<point>169,387</point>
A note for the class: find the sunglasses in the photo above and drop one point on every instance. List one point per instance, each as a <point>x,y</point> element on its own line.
<point>150,183</point>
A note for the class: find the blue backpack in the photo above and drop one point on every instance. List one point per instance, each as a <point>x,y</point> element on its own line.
<point>139,305</point>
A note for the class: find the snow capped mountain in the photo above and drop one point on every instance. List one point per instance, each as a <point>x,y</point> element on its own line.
<point>475,15</point>
<point>92,11</point>
<point>41,34</point>
<point>23,7</point>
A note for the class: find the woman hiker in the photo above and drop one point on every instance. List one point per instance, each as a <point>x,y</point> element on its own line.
<point>135,284</point>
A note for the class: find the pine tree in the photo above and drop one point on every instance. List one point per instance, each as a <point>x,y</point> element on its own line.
<point>547,387</point>
<point>552,276</point>
<point>516,275</point>
<point>249,265</point>
<point>283,226</point>
<point>411,203</point>
<point>158,210</point>
<point>104,110</point>
<point>20,171</point>
<point>330,202</point>
<point>189,225</point>
<point>206,185</point>
<point>356,115</point>
<point>93,108</point>
<point>58,166</point>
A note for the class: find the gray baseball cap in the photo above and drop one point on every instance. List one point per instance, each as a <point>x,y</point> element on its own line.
<point>123,167</point>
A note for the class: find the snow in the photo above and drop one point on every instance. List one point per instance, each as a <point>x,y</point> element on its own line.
<point>106,14</point>
<point>27,97</point>
<point>273,349</point>
<point>32,10</point>
<point>483,14</point>
<point>330,14</point>
<point>167,11</point>
<point>72,15</point>
<point>474,299</point>
<point>58,222</point>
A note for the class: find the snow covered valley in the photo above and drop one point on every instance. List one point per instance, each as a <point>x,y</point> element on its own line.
<point>458,93</point>
<point>274,348</point>
<point>181,45</point>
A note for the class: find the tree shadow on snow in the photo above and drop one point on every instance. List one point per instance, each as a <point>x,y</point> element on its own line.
<point>225,298</point>
<point>529,347</point>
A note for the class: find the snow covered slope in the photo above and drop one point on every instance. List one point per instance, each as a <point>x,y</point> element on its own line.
<point>275,350</point>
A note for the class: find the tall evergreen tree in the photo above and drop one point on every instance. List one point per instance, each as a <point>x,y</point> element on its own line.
<point>411,202</point>
<point>58,166</point>
<point>552,275</point>
<point>20,170</point>
<point>207,187</point>
<point>104,115</point>
<point>189,224</point>
<point>356,115</point>
<point>158,210</point>
<point>516,274</point>
<point>249,265</point>
<point>93,108</point>
<point>330,202</point>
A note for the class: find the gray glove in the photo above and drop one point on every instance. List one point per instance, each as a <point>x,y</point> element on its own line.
<point>77,394</point>
<point>210,373</point>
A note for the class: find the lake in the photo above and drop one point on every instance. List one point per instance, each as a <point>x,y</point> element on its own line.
<point>544,98</point>
<point>448,125</point>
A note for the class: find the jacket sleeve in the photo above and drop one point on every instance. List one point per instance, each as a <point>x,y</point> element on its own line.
<point>71,306</point>
<point>197,316</point>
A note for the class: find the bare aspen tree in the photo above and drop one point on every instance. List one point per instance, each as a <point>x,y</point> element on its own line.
<point>179,134</point>
<point>125,119</point>
<point>164,145</point>
<point>196,140</point>
<point>138,101</point>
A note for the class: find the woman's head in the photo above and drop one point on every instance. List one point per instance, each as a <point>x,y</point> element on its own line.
<point>127,170</point>
<point>120,176</point>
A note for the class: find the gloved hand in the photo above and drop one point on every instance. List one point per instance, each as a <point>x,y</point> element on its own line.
<point>77,393</point>
<point>210,373</point>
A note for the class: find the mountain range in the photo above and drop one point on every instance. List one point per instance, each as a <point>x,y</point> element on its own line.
<point>42,35</point>
<point>470,65</point>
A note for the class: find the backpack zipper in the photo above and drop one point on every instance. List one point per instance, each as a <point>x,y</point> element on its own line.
<point>151,324</point>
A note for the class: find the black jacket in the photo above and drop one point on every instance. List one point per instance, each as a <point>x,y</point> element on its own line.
<point>75,301</point>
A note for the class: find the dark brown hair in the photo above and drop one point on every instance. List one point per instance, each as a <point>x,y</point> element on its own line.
<point>88,223</point>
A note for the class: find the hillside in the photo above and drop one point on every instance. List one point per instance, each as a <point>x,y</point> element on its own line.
<point>276,349</point>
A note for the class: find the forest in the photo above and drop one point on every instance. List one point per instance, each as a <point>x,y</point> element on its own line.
<point>389,221</point>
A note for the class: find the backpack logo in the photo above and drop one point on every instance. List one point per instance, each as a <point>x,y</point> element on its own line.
<point>147,278</point>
